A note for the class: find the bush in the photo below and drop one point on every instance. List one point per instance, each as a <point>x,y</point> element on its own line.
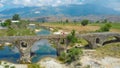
<point>12,67</point>
<point>71,38</point>
<point>33,66</point>
<point>6,66</point>
<point>7,23</point>
<point>16,17</point>
<point>105,28</point>
<point>73,54</point>
<point>84,22</point>
<point>62,56</point>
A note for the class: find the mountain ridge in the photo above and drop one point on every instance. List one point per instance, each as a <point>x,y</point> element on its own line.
<point>68,10</point>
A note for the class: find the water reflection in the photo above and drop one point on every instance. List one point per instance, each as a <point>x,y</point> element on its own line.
<point>10,54</point>
<point>41,49</point>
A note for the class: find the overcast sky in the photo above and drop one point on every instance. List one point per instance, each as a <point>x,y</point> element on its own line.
<point>114,4</point>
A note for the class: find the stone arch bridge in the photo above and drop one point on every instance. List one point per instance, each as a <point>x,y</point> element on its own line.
<point>24,43</point>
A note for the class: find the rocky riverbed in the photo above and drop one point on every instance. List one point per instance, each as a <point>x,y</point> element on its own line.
<point>86,61</point>
<point>106,62</point>
<point>51,63</point>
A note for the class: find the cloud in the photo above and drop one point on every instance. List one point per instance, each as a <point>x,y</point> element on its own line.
<point>114,4</point>
<point>1,5</point>
<point>40,2</point>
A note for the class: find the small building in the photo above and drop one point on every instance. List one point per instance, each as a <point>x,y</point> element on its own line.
<point>2,21</point>
<point>15,21</point>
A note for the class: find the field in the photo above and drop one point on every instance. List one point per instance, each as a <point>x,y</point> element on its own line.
<point>71,26</point>
<point>16,32</point>
<point>115,26</point>
<point>81,29</point>
<point>112,50</point>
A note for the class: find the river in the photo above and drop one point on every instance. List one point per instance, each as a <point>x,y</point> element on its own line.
<point>40,49</point>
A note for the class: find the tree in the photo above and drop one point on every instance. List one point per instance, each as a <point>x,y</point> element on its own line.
<point>71,37</point>
<point>73,54</point>
<point>67,21</point>
<point>104,21</point>
<point>7,23</point>
<point>97,22</point>
<point>74,21</point>
<point>16,17</point>
<point>105,28</point>
<point>84,22</point>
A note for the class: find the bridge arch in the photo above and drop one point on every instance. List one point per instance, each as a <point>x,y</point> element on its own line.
<point>111,39</point>
<point>98,40</point>
<point>41,48</point>
<point>85,42</point>
<point>23,44</point>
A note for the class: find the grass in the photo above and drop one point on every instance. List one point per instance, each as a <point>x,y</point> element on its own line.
<point>82,42</point>
<point>70,26</point>
<point>112,50</point>
<point>114,25</point>
<point>33,66</point>
<point>16,32</point>
<point>81,29</point>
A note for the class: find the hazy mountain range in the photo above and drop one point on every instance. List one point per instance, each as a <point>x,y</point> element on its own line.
<point>72,10</point>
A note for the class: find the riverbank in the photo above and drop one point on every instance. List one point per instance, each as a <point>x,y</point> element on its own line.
<point>6,64</point>
<point>106,62</point>
<point>87,60</point>
<point>91,60</point>
<point>51,63</point>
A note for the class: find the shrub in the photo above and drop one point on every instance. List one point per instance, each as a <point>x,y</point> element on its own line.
<point>73,54</point>
<point>12,67</point>
<point>105,28</point>
<point>71,37</point>
<point>84,22</point>
<point>33,66</point>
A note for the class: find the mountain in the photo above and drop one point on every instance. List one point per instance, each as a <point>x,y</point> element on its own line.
<point>65,10</point>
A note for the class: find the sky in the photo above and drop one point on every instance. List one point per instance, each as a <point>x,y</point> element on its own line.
<point>5,4</point>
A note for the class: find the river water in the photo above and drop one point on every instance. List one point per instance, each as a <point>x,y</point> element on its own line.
<point>40,49</point>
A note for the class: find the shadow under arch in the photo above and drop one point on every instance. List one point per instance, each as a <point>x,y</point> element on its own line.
<point>111,39</point>
<point>85,43</point>
<point>42,48</point>
<point>97,41</point>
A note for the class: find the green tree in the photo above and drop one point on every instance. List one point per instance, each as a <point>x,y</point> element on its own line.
<point>73,54</point>
<point>67,21</point>
<point>84,22</point>
<point>62,56</point>
<point>71,37</point>
<point>16,17</point>
<point>74,21</point>
<point>105,28</point>
<point>104,21</point>
<point>97,22</point>
<point>7,23</point>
